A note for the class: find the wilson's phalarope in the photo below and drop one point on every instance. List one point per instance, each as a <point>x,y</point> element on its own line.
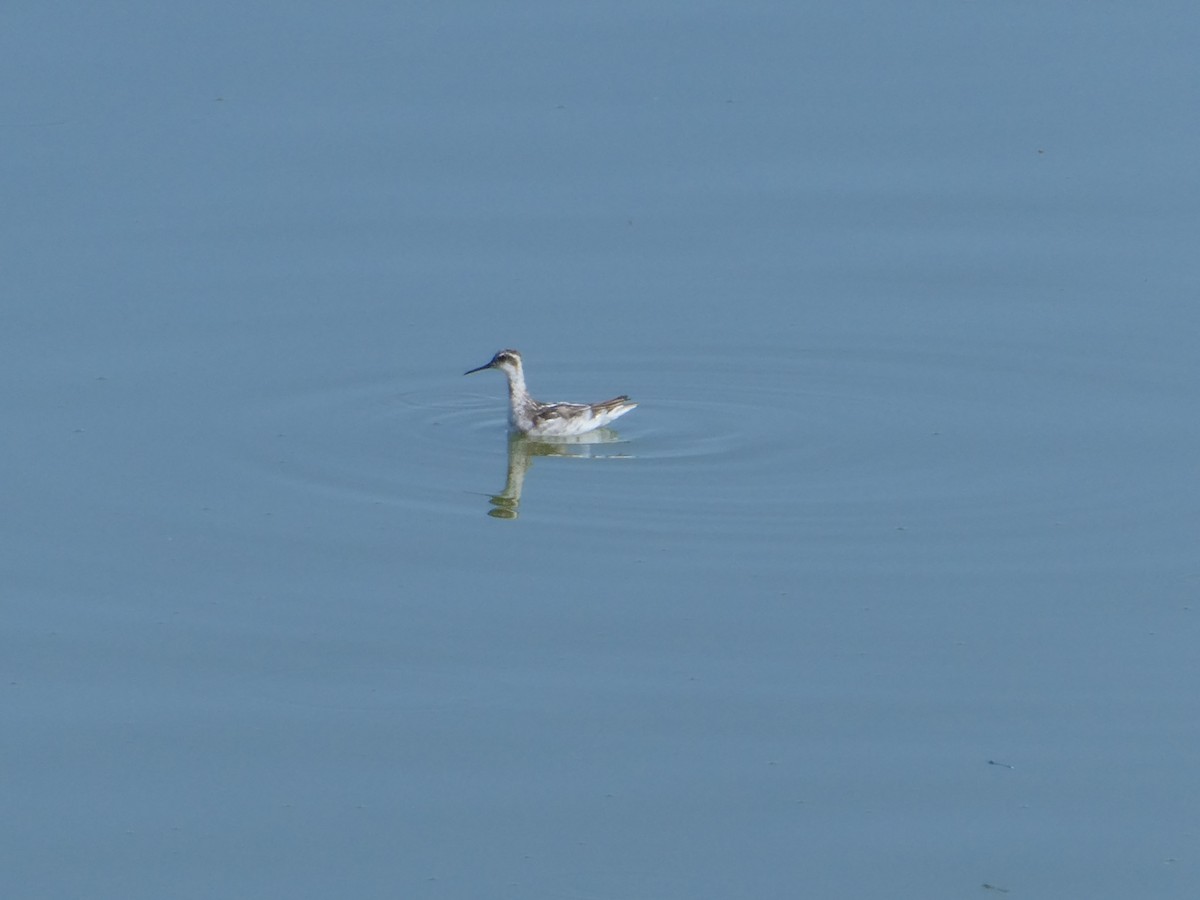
<point>550,419</point>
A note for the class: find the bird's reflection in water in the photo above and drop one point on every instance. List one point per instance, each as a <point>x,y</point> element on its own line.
<point>521,451</point>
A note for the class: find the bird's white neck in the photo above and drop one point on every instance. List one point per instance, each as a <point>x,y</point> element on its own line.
<point>517,391</point>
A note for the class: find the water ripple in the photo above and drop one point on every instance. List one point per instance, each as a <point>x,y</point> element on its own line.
<point>846,438</point>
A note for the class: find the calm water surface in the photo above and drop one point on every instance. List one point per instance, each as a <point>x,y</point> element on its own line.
<point>887,587</point>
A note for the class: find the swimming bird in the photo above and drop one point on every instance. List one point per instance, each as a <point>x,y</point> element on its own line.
<point>550,419</point>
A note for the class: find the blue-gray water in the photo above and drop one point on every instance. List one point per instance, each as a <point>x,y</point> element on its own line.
<point>887,588</point>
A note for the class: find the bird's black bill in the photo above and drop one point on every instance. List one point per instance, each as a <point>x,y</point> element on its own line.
<point>480,369</point>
